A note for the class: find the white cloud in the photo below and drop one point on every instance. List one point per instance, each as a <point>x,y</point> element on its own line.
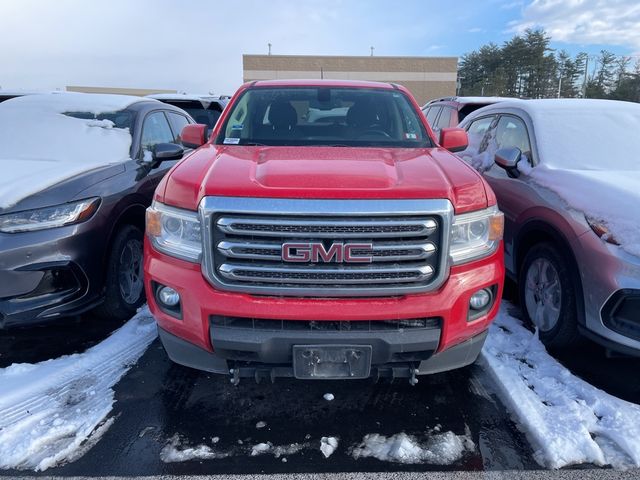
<point>476,30</point>
<point>588,22</point>
<point>512,5</point>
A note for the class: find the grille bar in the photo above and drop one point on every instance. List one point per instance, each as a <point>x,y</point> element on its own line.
<point>325,276</point>
<point>331,228</point>
<point>380,252</point>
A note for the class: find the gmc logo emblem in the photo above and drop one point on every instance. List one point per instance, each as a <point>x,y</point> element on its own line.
<point>316,252</point>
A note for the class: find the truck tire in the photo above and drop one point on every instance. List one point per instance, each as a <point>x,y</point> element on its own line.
<point>124,287</point>
<point>548,296</point>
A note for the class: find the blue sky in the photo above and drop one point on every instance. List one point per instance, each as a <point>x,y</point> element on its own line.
<point>197,45</point>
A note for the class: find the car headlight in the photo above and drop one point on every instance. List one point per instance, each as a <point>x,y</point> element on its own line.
<point>602,230</point>
<point>174,231</point>
<point>475,235</point>
<point>49,217</point>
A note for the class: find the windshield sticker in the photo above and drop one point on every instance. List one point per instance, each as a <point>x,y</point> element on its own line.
<point>411,136</point>
<point>231,141</point>
<point>237,126</point>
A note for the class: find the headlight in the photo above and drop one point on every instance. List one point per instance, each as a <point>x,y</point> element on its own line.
<point>174,231</point>
<point>49,217</point>
<point>475,235</point>
<point>600,228</point>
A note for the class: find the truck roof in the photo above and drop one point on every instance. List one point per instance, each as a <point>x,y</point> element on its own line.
<point>322,82</point>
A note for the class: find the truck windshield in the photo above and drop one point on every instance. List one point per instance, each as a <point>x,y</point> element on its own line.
<point>336,116</point>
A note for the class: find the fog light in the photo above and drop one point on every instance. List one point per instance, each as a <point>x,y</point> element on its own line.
<point>480,299</point>
<point>168,296</point>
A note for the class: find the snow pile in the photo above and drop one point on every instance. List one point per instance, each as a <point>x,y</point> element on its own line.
<point>567,420</point>
<point>40,146</point>
<point>276,450</point>
<point>175,451</point>
<point>54,411</point>
<point>328,445</point>
<point>439,449</point>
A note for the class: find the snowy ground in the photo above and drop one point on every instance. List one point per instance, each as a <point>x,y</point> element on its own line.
<point>54,411</point>
<point>567,420</point>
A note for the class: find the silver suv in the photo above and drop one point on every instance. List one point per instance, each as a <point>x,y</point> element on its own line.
<point>567,178</point>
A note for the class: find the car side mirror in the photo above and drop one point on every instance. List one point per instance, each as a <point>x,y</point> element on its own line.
<point>508,158</point>
<point>163,152</point>
<point>454,139</point>
<point>194,135</point>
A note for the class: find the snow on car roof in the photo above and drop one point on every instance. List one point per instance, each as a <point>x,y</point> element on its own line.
<point>40,146</point>
<point>75,102</point>
<point>580,133</point>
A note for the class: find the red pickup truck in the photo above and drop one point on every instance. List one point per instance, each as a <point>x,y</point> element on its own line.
<point>321,232</point>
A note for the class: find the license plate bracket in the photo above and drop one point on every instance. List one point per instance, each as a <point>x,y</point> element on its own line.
<point>331,362</point>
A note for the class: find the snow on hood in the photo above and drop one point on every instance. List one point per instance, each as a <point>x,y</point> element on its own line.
<point>40,146</point>
<point>611,198</point>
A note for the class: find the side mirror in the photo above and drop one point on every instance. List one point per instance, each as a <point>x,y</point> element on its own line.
<point>508,159</point>
<point>166,151</point>
<point>454,139</point>
<point>194,135</point>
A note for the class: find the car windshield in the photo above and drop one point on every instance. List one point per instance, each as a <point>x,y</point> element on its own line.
<point>336,116</point>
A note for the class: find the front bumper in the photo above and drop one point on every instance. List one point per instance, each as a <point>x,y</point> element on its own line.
<point>190,355</point>
<point>609,275</point>
<point>49,273</point>
<point>200,302</point>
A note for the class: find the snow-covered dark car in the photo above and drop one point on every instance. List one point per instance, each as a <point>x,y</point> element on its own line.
<point>567,177</point>
<point>78,171</point>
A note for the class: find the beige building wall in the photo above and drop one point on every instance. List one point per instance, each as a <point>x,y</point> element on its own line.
<point>140,92</point>
<point>426,77</point>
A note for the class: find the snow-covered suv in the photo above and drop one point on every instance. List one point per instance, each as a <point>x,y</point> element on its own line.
<point>567,177</point>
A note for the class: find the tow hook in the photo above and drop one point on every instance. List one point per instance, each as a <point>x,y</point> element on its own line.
<point>235,376</point>
<point>413,380</point>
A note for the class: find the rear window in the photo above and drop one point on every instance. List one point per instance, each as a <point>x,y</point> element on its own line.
<point>339,116</point>
<point>206,116</point>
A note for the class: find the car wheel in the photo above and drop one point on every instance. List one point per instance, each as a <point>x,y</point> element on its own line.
<point>548,296</point>
<point>124,286</point>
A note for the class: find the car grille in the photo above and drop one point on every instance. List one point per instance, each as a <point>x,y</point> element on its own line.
<point>406,253</point>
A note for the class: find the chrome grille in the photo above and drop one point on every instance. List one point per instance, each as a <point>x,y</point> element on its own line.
<point>407,247</point>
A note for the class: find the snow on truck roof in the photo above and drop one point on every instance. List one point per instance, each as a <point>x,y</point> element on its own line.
<point>41,145</point>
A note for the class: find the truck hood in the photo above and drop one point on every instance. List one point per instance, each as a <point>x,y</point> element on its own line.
<point>323,172</point>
